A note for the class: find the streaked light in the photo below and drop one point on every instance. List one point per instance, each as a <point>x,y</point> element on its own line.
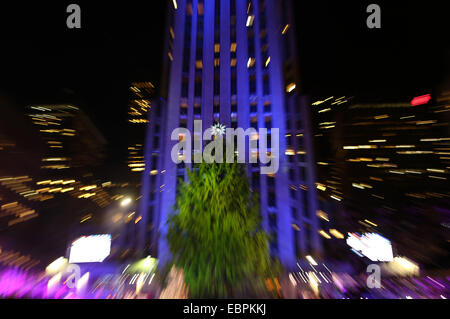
<point>311,260</point>
<point>323,215</point>
<point>336,198</point>
<point>420,100</point>
<point>250,20</point>
<point>53,281</point>
<point>250,62</point>
<point>125,202</point>
<point>371,223</point>
<point>291,87</point>
<point>88,188</point>
<point>56,266</point>
<point>175,5</point>
<point>336,233</point>
<point>82,282</point>
<point>324,234</point>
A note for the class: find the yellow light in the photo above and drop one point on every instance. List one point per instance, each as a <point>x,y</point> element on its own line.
<point>137,165</point>
<point>379,117</point>
<point>314,282</point>
<point>56,266</point>
<point>285,29</point>
<point>369,222</point>
<point>154,172</point>
<point>140,282</point>
<point>336,234</point>
<point>311,260</point>
<point>267,61</point>
<point>250,20</point>
<point>175,5</point>
<point>290,152</point>
<point>291,87</point>
<point>250,62</point>
<point>85,218</point>
<point>125,202</point>
<point>324,234</point>
<point>88,188</point>
<point>323,215</point>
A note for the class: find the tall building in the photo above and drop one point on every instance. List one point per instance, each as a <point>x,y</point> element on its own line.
<point>138,106</point>
<point>383,167</point>
<point>234,62</point>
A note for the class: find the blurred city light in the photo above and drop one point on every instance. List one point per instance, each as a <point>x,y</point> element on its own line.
<point>125,202</point>
<point>56,266</point>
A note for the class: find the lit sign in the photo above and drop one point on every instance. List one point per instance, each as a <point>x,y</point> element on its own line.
<point>90,249</point>
<point>373,246</point>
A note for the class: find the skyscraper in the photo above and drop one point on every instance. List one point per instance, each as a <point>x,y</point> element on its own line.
<point>234,62</point>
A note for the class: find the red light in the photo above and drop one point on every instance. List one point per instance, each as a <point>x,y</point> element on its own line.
<point>419,100</point>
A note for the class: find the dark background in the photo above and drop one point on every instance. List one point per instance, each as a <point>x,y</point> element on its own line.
<point>119,42</point>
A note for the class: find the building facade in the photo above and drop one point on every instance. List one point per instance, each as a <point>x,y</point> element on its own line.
<point>233,62</point>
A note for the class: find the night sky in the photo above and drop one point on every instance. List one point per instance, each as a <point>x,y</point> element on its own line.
<point>122,42</point>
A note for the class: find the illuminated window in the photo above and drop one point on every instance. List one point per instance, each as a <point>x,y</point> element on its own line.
<point>290,87</point>
<point>250,62</point>
<point>250,20</point>
<point>200,9</point>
